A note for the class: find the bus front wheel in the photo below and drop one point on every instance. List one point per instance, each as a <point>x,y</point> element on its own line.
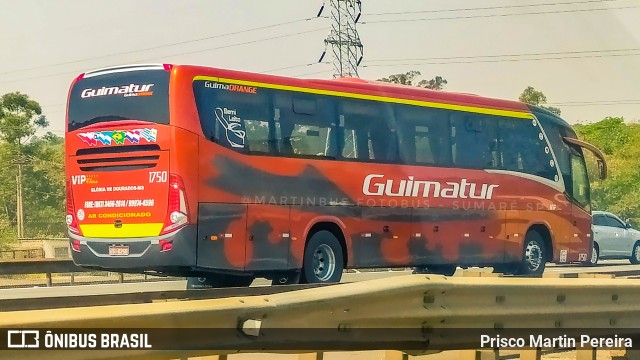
<point>218,281</point>
<point>323,259</point>
<point>535,257</point>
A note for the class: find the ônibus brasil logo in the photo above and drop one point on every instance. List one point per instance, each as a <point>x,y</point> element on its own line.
<point>377,185</point>
<point>124,90</point>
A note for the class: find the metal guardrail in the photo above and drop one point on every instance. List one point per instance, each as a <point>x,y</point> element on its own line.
<point>68,271</point>
<point>13,254</point>
<point>39,266</point>
<point>418,314</point>
<point>53,266</point>
<point>57,302</point>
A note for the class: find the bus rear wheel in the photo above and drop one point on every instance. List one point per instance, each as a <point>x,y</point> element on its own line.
<point>323,260</point>
<point>534,257</point>
<point>218,281</point>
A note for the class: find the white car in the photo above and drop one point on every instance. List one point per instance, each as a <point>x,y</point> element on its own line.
<point>614,239</point>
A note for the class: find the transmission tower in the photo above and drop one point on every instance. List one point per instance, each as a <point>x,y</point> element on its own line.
<point>344,40</point>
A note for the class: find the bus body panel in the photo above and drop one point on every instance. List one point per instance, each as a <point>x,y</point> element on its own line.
<point>470,230</point>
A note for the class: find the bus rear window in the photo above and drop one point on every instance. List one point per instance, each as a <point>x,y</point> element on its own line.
<point>131,95</point>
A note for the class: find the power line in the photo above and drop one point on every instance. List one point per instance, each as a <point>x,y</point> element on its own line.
<point>509,55</point>
<point>598,102</point>
<point>291,67</point>
<point>502,15</point>
<point>172,55</point>
<point>311,73</point>
<point>158,47</point>
<point>503,60</point>
<point>490,7</point>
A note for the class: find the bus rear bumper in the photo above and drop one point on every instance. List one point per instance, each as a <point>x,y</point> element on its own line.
<point>138,254</point>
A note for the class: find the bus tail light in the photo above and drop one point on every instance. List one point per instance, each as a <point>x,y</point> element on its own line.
<point>72,222</point>
<point>177,210</point>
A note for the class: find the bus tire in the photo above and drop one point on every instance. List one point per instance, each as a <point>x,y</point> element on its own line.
<point>323,260</point>
<point>218,281</point>
<point>534,257</point>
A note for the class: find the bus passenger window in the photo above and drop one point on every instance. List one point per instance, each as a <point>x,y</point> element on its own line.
<point>368,131</point>
<point>524,149</point>
<point>304,125</point>
<point>423,136</point>
<point>473,138</point>
<point>235,120</point>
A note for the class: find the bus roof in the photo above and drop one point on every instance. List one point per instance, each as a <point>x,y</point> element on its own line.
<point>405,91</point>
<point>356,85</point>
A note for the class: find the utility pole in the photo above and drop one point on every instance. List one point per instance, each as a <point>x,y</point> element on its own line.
<point>19,160</point>
<point>19,212</point>
<point>343,38</point>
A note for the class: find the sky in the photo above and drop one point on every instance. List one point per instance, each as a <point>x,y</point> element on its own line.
<point>584,55</point>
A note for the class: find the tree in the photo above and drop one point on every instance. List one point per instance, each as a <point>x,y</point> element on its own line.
<point>535,97</point>
<point>436,83</point>
<point>19,117</point>
<point>410,77</point>
<point>40,162</point>
<point>618,193</point>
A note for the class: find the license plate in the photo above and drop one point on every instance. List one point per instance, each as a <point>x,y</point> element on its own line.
<point>118,250</point>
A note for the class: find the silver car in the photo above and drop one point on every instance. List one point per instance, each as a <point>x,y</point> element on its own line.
<point>614,239</point>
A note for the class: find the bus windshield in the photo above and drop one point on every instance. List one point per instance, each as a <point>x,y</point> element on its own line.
<point>131,95</point>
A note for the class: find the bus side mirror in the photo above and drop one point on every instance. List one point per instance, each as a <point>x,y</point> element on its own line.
<point>602,170</point>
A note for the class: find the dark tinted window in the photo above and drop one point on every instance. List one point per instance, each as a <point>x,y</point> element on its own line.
<point>296,124</point>
<point>524,149</point>
<point>555,132</point>
<point>368,131</point>
<point>304,125</point>
<point>133,95</point>
<point>580,182</point>
<point>241,120</point>
<point>613,222</point>
<point>474,140</point>
<point>424,135</point>
<point>599,220</point>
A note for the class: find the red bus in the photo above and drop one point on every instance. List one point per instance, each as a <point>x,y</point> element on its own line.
<point>223,176</point>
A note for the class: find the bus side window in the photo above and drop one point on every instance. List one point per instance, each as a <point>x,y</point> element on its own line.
<point>235,120</point>
<point>474,141</point>
<point>368,132</point>
<point>423,136</point>
<point>524,148</point>
<point>304,125</point>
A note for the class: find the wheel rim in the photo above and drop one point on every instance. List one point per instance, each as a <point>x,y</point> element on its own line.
<point>533,256</point>
<point>636,253</point>
<point>324,262</point>
<point>594,255</point>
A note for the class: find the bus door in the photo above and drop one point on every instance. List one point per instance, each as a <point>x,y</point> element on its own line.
<point>578,188</point>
